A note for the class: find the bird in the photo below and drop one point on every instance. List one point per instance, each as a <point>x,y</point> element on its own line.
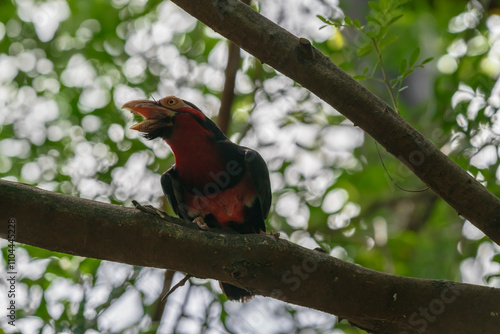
<point>213,182</point>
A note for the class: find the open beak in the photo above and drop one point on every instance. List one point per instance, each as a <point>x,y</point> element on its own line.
<point>154,115</point>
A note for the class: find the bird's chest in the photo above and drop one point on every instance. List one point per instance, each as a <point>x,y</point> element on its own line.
<point>225,204</point>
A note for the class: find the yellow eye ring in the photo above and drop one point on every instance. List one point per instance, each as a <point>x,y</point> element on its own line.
<point>171,102</point>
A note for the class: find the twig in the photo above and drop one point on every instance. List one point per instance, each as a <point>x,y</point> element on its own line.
<point>395,105</point>
<point>384,74</point>
<point>181,283</point>
<point>160,307</point>
<point>392,180</point>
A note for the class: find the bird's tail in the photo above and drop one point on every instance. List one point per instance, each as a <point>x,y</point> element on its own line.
<point>234,293</point>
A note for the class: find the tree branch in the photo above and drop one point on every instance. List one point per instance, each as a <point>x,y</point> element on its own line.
<point>233,64</point>
<point>300,61</point>
<point>277,268</point>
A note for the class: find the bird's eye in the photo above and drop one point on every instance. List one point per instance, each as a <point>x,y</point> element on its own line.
<point>171,102</point>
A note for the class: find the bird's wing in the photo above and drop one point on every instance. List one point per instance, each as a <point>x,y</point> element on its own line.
<point>253,164</point>
<point>259,174</point>
<point>172,190</point>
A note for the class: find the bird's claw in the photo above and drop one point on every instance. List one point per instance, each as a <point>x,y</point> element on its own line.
<point>201,223</point>
<point>149,209</point>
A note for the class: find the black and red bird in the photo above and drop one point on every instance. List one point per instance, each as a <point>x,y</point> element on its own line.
<point>214,182</point>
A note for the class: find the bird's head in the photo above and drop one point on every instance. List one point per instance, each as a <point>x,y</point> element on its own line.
<point>171,115</point>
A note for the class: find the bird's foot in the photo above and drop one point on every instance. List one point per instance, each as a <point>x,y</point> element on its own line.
<point>149,209</point>
<point>201,223</point>
<point>276,235</point>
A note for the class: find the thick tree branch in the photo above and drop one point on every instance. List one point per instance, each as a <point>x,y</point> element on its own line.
<point>300,61</point>
<point>277,268</point>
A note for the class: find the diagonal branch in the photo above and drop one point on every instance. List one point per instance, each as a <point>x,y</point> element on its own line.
<point>277,268</point>
<point>300,61</point>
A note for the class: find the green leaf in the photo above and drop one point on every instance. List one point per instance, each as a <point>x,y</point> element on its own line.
<point>373,19</point>
<point>394,81</point>
<point>325,20</point>
<point>374,5</point>
<point>357,24</point>
<point>426,60</point>
<point>414,56</point>
<point>383,32</point>
<point>360,77</point>
<point>348,21</point>
<point>364,50</point>
<point>387,41</point>
<point>403,65</point>
<point>372,30</point>
<point>401,3</point>
<point>407,73</point>
<point>490,277</point>
<point>322,18</point>
<point>394,19</point>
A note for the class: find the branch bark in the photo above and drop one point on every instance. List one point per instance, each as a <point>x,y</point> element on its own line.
<point>300,61</point>
<point>375,301</point>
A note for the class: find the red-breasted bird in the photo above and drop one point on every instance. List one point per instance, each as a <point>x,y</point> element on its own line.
<point>214,182</point>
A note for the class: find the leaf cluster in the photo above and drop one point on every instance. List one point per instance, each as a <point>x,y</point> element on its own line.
<point>374,37</point>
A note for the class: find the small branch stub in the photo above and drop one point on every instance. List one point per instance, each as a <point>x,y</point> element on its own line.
<point>305,49</point>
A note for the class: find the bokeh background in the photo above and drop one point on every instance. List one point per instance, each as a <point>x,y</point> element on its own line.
<point>66,67</point>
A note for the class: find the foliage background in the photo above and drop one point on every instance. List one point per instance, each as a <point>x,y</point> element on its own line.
<point>66,67</point>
